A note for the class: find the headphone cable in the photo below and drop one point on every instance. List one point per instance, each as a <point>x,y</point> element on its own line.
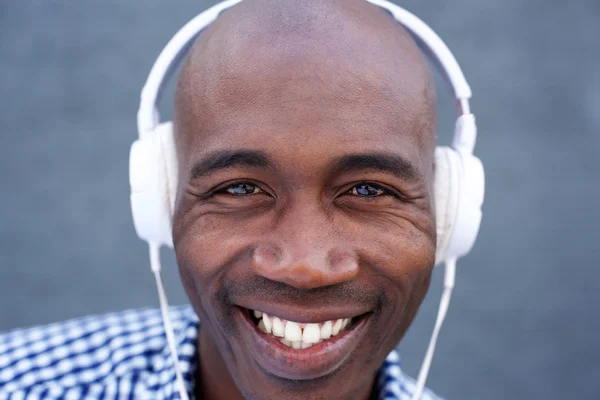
<point>164,310</point>
<point>449,277</point>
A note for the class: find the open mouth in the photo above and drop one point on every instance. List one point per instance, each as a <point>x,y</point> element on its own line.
<point>310,349</point>
<point>297,335</point>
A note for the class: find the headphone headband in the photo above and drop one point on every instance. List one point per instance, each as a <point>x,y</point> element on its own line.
<point>149,117</point>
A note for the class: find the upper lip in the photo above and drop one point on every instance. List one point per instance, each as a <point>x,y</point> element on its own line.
<point>307,315</point>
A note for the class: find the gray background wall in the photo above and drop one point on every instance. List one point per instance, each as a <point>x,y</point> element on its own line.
<point>524,319</point>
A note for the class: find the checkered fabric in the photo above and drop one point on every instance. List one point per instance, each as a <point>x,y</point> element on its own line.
<point>122,356</point>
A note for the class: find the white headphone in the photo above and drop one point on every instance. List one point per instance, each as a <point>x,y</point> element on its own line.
<point>458,184</point>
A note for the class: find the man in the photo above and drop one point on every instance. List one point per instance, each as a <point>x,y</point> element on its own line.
<point>304,227</point>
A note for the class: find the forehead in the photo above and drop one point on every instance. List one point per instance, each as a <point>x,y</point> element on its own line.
<point>282,93</point>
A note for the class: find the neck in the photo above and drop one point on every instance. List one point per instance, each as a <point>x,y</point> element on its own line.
<point>213,381</point>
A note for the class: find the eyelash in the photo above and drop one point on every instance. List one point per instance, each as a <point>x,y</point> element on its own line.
<point>382,190</point>
<point>225,189</point>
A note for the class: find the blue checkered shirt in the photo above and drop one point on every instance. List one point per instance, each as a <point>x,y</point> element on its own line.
<point>123,356</point>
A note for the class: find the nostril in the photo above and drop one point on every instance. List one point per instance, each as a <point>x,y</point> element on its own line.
<point>265,257</point>
<point>344,260</point>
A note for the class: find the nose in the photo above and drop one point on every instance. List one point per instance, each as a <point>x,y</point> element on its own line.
<point>305,269</point>
<point>306,253</point>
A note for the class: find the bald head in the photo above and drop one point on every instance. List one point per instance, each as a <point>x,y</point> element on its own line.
<point>265,53</point>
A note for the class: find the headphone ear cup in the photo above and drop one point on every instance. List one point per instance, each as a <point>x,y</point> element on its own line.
<point>446,188</point>
<point>459,189</point>
<point>169,156</point>
<point>153,180</point>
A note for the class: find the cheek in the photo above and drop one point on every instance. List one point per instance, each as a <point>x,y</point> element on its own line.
<point>204,252</point>
<point>403,261</point>
<point>207,248</point>
<point>400,244</point>
<point>409,260</point>
<point>402,254</point>
<point>205,245</point>
<point>199,252</point>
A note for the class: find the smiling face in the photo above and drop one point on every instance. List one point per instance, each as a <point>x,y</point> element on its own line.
<point>304,228</point>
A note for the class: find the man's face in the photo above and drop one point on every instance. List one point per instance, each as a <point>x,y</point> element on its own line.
<point>305,196</point>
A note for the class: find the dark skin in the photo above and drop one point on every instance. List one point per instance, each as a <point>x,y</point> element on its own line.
<point>305,134</point>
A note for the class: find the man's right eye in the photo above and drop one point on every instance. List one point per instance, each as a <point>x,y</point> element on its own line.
<point>242,188</point>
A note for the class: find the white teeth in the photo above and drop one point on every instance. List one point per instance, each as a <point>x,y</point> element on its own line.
<point>278,328</point>
<point>299,336</point>
<point>345,323</point>
<point>261,326</point>
<point>335,329</point>
<point>325,331</point>
<point>293,331</point>
<point>267,321</point>
<point>311,333</point>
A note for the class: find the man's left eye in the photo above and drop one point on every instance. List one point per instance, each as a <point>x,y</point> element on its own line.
<point>243,188</point>
<point>367,190</point>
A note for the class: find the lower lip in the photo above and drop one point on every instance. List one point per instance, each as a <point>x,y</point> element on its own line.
<point>302,364</point>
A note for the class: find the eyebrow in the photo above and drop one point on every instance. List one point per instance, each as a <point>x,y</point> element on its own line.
<point>382,162</point>
<point>220,160</point>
